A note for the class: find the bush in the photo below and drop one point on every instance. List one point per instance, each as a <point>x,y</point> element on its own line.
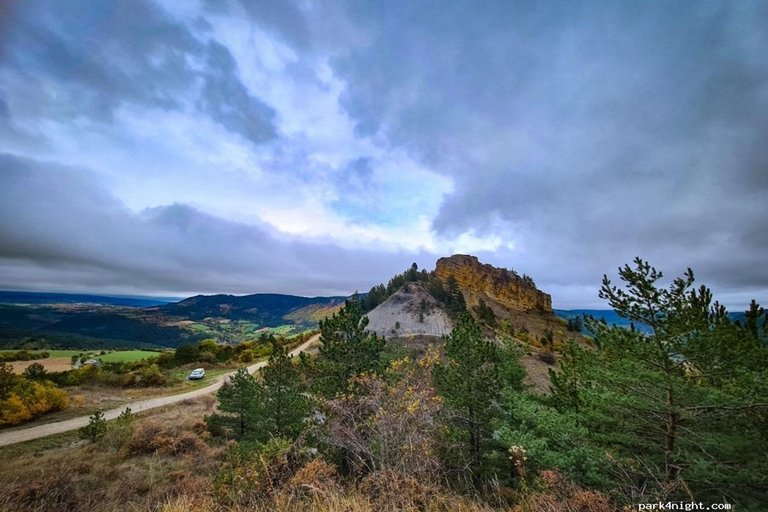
<point>246,356</point>
<point>390,490</point>
<point>547,357</point>
<point>254,473</point>
<point>35,371</point>
<point>29,399</point>
<point>22,355</point>
<point>119,433</point>
<point>150,437</point>
<point>150,376</point>
<point>96,428</point>
<point>317,477</point>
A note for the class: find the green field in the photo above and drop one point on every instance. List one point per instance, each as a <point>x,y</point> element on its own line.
<point>110,357</point>
<point>127,356</point>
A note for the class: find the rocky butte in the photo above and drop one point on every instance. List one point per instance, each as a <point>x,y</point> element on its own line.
<point>498,285</point>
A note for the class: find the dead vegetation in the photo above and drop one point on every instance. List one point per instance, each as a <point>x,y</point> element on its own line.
<point>163,457</point>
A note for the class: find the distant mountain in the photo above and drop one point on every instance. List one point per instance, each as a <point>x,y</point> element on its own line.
<point>12,297</point>
<point>608,315</point>
<point>265,308</point>
<point>74,321</point>
<point>613,318</point>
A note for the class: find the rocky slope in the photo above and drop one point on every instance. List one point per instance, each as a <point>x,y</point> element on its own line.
<point>501,286</point>
<point>410,311</point>
<point>512,297</point>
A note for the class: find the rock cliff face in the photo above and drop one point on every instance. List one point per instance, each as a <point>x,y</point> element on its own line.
<point>498,285</point>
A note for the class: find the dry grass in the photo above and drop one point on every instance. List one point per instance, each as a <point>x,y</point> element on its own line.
<point>76,476</point>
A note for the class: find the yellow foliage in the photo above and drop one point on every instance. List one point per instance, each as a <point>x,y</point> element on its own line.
<point>13,411</point>
<point>30,399</point>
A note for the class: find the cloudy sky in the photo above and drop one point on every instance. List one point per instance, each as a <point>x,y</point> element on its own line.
<point>319,146</point>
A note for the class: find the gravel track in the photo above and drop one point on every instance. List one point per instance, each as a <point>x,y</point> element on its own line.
<point>30,433</point>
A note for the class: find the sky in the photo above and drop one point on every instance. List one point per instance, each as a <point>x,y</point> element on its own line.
<point>318,147</point>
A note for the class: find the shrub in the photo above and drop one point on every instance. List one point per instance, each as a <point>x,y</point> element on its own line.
<point>149,376</point>
<point>96,428</point>
<point>401,404</point>
<point>246,356</point>
<point>150,437</point>
<point>146,438</point>
<point>547,357</point>
<point>119,432</point>
<point>317,477</point>
<point>13,411</point>
<point>390,490</point>
<point>35,371</point>
<point>254,472</point>
<point>29,399</point>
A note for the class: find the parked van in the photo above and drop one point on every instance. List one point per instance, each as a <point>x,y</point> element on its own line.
<point>197,374</point>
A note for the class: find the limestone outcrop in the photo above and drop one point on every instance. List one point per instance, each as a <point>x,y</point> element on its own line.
<point>501,286</point>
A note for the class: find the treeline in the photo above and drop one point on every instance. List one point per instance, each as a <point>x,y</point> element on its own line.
<point>448,293</point>
<point>208,351</point>
<point>677,414</point>
<point>22,355</point>
<point>36,340</point>
<point>118,326</point>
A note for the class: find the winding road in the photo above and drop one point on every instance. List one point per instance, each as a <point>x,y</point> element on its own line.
<point>28,434</point>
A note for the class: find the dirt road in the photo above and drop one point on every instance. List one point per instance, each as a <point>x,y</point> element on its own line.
<point>27,434</point>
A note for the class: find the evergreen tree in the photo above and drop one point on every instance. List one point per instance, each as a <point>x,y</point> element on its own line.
<point>485,314</point>
<point>575,324</point>
<point>284,406</point>
<point>454,298</point>
<point>95,429</point>
<point>471,385</point>
<point>347,350</point>
<point>678,407</point>
<point>240,399</point>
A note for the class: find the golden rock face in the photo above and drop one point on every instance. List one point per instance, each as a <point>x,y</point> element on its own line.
<point>478,280</point>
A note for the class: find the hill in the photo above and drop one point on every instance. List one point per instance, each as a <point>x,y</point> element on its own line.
<point>512,297</point>
<point>612,318</point>
<point>77,323</point>
<point>268,309</point>
<point>411,311</point>
<point>13,297</point>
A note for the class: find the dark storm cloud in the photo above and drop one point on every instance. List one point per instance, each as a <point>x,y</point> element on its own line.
<point>594,130</point>
<point>61,225</point>
<point>228,102</point>
<point>86,58</point>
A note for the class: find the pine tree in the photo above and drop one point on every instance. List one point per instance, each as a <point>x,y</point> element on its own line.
<point>284,406</point>
<point>471,385</point>
<point>454,298</point>
<point>347,350</point>
<point>679,406</point>
<point>239,399</point>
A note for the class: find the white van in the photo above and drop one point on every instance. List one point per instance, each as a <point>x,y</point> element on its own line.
<point>197,374</point>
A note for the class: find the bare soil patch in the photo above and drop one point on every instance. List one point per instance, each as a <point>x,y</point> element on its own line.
<point>51,364</point>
